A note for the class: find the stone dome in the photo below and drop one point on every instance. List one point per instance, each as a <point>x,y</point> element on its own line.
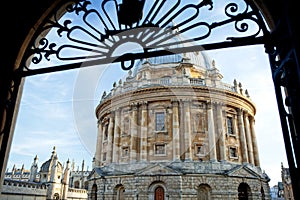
<point>198,59</point>
<point>46,166</point>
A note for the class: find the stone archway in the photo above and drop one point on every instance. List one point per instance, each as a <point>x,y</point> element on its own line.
<point>204,192</point>
<point>244,191</point>
<point>119,191</point>
<point>94,192</point>
<point>157,191</point>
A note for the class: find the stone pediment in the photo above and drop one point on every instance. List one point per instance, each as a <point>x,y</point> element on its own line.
<point>157,169</point>
<point>95,173</point>
<point>104,171</point>
<point>243,171</point>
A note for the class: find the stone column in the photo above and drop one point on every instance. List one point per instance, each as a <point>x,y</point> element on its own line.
<point>104,139</point>
<point>254,142</point>
<point>181,130</point>
<point>116,143</point>
<point>221,132</point>
<point>133,132</point>
<point>144,132</point>
<point>242,136</point>
<point>235,127</point>
<point>110,137</point>
<point>175,131</point>
<point>187,130</point>
<point>248,137</point>
<point>211,133</point>
<point>99,144</point>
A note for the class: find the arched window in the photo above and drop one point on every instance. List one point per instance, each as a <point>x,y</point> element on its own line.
<point>86,185</point>
<point>76,184</point>
<point>120,193</point>
<point>203,192</point>
<point>244,191</point>
<point>159,193</point>
<point>165,80</point>
<point>94,192</point>
<point>56,196</point>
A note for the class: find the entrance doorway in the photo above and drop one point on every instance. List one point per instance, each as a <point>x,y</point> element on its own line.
<point>159,193</point>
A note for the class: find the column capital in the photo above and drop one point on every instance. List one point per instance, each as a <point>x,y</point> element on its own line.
<point>105,120</point>
<point>116,109</point>
<point>220,104</point>
<point>134,105</point>
<point>175,103</point>
<point>143,104</point>
<point>112,115</point>
<point>185,101</point>
<point>240,111</point>
<point>252,119</point>
<point>246,114</point>
<point>209,104</point>
<point>174,100</point>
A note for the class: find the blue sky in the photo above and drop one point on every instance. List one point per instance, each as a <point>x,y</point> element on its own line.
<point>58,109</point>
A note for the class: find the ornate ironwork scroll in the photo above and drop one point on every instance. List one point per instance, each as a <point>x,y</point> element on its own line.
<point>90,31</point>
<point>83,33</point>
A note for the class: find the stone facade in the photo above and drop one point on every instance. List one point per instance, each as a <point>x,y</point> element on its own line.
<point>173,130</point>
<point>287,190</point>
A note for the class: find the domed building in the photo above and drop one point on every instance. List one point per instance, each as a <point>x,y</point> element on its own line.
<point>173,130</point>
<point>52,181</point>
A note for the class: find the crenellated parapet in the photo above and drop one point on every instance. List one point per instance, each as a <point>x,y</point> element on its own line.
<point>24,188</point>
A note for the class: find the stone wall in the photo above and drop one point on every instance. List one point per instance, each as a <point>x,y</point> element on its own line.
<point>15,190</point>
<point>182,180</point>
<point>18,190</point>
<point>179,187</point>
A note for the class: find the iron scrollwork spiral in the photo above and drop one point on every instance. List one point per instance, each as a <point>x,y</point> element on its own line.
<point>89,31</point>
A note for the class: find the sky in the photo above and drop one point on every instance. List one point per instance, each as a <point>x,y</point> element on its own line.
<point>58,109</point>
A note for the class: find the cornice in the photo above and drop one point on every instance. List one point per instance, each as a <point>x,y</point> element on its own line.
<point>233,99</point>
